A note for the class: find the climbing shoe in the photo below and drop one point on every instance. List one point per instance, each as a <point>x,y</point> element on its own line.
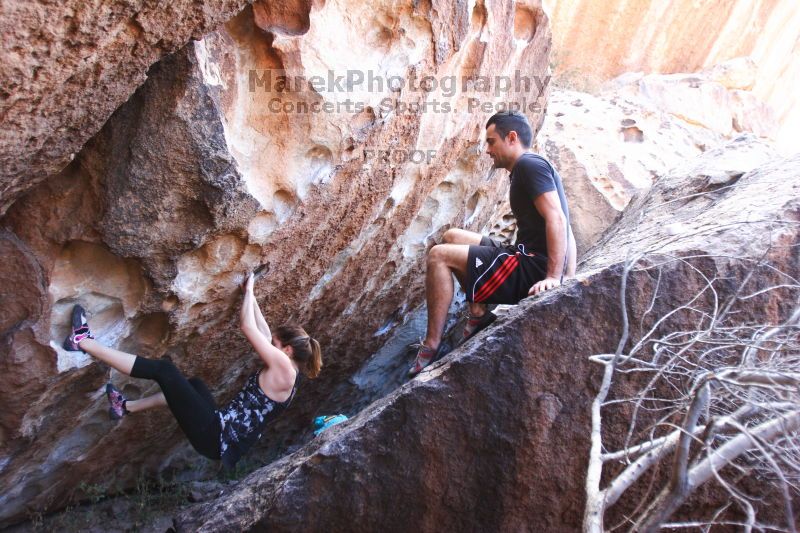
<point>79,330</point>
<point>425,356</point>
<point>475,324</point>
<point>116,402</point>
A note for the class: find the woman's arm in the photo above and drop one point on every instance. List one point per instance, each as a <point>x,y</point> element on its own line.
<point>261,324</point>
<point>247,315</point>
<point>275,359</point>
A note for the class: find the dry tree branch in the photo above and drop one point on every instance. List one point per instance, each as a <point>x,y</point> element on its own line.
<point>751,403</point>
<point>593,516</point>
<point>671,498</point>
<point>776,469</point>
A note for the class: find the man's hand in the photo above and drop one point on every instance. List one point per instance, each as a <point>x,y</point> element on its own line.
<point>544,285</point>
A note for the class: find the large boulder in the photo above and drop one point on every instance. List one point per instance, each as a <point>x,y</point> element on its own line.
<point>496,436</point>
<point>213,167</point>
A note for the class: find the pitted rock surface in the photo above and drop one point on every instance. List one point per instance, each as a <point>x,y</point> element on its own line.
<point>496,436</point>
<point>198,178</point>
<point>67,66</point>
<point>608,148</point>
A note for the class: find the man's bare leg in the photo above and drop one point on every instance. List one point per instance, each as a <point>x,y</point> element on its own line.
<point>114,358</point>
<point>443,261</point>
<point>462,236</point>
<point>156,400</point>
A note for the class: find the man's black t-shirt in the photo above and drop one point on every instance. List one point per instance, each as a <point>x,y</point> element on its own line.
<point>531,176</point>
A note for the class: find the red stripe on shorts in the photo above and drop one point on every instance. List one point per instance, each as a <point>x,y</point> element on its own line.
<point>497,279</point>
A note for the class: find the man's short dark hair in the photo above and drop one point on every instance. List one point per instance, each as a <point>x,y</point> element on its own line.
<point>508,121</point>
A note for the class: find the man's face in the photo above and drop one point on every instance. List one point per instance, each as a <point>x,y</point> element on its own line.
<point>499,149</point>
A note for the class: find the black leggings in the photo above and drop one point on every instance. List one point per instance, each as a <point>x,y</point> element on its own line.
<point>189,400</point>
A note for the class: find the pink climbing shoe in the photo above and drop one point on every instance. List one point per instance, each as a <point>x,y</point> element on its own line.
<point>116,402</point>
<point>79,331</point>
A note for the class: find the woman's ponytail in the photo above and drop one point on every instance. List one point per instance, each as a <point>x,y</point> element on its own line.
<point>314,364</point>
<point>307,351</point>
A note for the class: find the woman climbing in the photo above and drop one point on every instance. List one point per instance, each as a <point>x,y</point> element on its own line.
<point>226,433</point>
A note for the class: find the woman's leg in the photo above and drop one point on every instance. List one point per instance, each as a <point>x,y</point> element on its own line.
<point>116,359</point>
<point>124,363</point>
<point>195,415</point>
<point>155,400</point>
<point>202,389</point>
<point>154,369</point>
<point>159,400</point>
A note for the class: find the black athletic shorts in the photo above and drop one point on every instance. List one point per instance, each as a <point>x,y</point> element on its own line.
<point>498,274</point>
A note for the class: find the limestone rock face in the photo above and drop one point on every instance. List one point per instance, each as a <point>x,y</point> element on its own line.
<point>215,166</point>
<point>610,147</point>
<point>683,36</point>
<point>740,73</point>
<point>709,99</point>
<point>505,420</point>
<point>67,66</point>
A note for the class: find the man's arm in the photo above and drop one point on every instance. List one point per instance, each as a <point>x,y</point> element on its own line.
<point>549,206</point>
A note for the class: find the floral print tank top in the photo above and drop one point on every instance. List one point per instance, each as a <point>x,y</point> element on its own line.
<point>243,420</point>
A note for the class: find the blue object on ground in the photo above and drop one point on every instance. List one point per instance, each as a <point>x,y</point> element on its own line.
<point>321,423</point>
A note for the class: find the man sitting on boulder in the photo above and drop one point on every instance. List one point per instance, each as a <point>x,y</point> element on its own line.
<point>489,272</point>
